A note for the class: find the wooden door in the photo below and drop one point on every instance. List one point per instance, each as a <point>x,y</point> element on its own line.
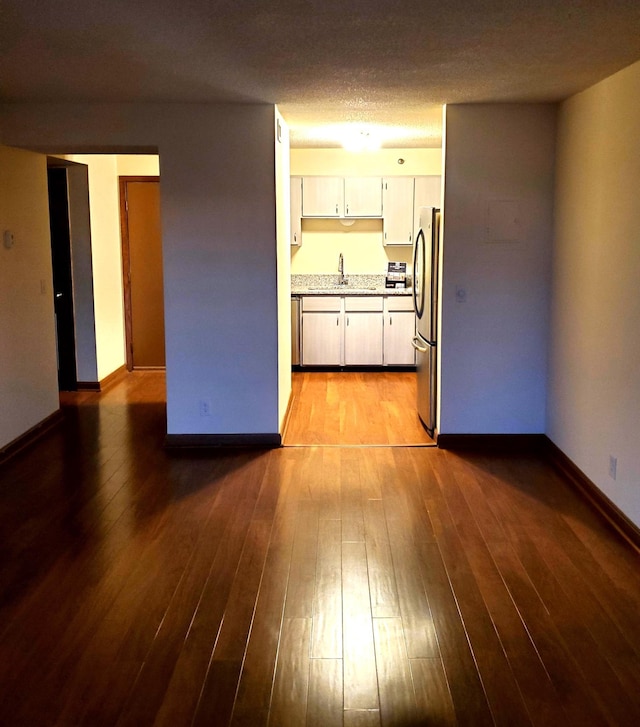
<point>142,271</point>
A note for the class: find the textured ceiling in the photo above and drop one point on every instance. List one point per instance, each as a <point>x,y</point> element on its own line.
<point>390,65</point>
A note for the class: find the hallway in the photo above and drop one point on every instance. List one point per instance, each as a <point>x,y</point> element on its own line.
<point>302,586</point>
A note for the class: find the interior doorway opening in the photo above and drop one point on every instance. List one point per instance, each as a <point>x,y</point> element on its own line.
<point>354,408</point>
<point>72,268</point>
<point>62,278</point>
<point>91,215</point>
<point>142,278</point>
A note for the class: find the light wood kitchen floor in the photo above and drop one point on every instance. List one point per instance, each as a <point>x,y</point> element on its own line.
<point>354,408</point>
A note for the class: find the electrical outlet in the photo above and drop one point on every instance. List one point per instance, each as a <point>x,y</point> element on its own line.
<point>613,466</point>
<point>205,407</point>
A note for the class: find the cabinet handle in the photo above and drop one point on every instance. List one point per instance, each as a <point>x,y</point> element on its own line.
<point>390,320</point>
<point>347,209</point>
<point>347,320</point>
<point>338,321</point>
<point>336,209</point>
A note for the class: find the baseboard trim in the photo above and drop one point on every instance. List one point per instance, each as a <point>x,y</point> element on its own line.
<point>30,436</point>
<point>287,416</point>
<point>594,495</point>
<point>98,386</point>
<point>218,441</point>
<point>113,377</point>
<point>88,386</point>
<point>494,443</point>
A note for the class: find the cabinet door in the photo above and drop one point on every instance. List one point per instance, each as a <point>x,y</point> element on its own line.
<point>363,339</point>
<point>321,339</point>
<point>398,210</point>
<point>399,330</point>
<point>296,210</point>
<point>427,194</point>
<point>363,197</point>
<point>322,196</point>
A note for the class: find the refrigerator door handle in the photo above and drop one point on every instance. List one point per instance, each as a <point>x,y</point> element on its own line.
<point>418,274</point>
<point>415,342</point>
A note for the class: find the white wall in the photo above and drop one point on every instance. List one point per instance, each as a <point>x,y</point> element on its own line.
<point>107,259</point>
<point>82,272</point>
<point>97,257</point>
<point>219,243</point>
<point>494,345</point>
<point>343,163</point>
<point>283,222</point>
<point>138,165</point>
<point>594,392</point>
<point>28,369</point>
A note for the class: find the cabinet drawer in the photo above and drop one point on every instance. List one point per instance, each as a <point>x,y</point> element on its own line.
<point>400,302</point>
<point>365,302</point>
<point>327,303</point>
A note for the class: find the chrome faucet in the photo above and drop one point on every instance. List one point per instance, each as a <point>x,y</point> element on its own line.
<point>341,280</point>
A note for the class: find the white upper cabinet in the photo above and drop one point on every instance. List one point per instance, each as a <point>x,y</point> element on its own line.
<point>340,197</point>
<point>363,197</point>
<point>296,210</point>
<point>397,200</point>
<point>428,193</point>
<point>322,196</point>
<point>398,210</point>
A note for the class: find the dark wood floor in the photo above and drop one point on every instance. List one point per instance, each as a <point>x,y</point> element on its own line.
<point>355,407</point>
<point>302,586</point>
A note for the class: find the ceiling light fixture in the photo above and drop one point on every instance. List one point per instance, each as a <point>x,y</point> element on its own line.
<point>358,137</point>
<point>360,140</point>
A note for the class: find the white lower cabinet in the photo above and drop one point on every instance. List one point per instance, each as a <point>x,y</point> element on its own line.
<point>322,330</point>
<point>399,330</point>
<point>357,331</point>
<point>363,331</point>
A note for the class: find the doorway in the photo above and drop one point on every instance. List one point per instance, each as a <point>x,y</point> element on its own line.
<point>62,278</point>
<point>142,272</point>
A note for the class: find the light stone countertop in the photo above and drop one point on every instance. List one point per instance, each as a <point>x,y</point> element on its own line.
<point>356,285</point>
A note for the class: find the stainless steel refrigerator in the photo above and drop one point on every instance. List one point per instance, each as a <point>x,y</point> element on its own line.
<point>426,252</point>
